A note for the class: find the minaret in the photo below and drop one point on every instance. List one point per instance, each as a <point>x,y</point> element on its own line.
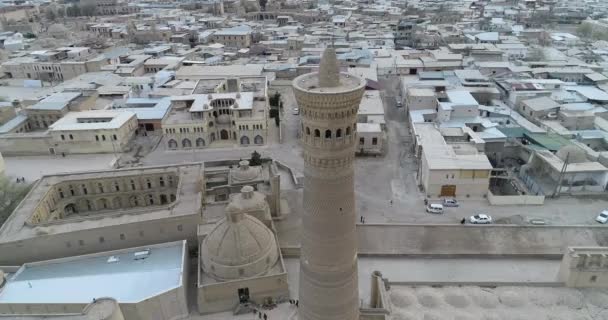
<point>328,101</point>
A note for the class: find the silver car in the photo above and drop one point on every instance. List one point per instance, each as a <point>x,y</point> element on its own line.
<point>450,203</point>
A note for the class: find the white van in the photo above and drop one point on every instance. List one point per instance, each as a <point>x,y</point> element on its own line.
<point>434,208</point>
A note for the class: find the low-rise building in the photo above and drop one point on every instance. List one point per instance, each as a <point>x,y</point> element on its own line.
<point>453,170</point>
<point>99,131</point>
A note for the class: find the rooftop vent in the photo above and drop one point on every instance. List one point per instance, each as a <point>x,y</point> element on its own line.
<point>140,255</point>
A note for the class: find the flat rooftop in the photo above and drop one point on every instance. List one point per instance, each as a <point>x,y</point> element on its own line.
<point>84,120</point>
<point>115,274</point>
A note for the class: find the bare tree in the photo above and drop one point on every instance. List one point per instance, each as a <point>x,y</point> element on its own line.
<point>11,194</point>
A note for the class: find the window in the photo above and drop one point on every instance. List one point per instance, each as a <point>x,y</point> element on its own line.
<point>317,133</point>
<point>327,134</point>
<point>150,199</point>
<point>101,240</point>
<point>347,131</point>
<point>161,181</point>
<point>149,183</point>
<point>103,137</point>
<point>81,243</point>
<point>71,137</point>
<point>62,137</point>
<point>116,186</point>
<point>96,138</point>
<point>114,137</point>
<point>180,227</point>
<point>133,185</point>
<point>593,279</point>
<point>60,193</point>
<point>361,141</point>
<point>100,187</point>
<point>141,233</point>
<point>122,236</point>
<point>84,189</point>
<point>339,133</point>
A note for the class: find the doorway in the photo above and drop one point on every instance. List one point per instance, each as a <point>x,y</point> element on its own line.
<point>243,295</point>
<point>448,191</point>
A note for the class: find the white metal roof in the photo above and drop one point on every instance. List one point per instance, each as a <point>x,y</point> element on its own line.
<point>111,274</point>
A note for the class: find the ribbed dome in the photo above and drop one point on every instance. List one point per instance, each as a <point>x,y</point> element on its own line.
<point>239,246</point>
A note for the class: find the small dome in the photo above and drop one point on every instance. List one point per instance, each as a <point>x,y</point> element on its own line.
<point>573,153</point>
<point>245,172</point>
<point>239,246</point>
<point>223,119</point>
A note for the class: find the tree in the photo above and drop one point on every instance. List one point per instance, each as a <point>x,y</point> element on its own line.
<point>263,4</point>
<point>50,14</point>
<point>584,30</point>
<point>256,159</point>
<point>11,194</point>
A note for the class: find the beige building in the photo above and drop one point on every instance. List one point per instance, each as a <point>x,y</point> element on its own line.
<point>54,65</point>
<point>223,111</point>
<point>453,170</point>
<point>240,261</point>
<point>99,131</point>
<point>584,267</point>
<point>140,283</point>
<point>371,139</point>
<point>237,37</point>
<point>73,214</point>
<point>52,108</point>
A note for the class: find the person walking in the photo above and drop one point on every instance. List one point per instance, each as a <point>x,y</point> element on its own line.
<point>463,221</point>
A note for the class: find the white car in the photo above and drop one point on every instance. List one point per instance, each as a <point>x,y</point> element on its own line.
<point>296,111</point>
<point>480,219</point>
<point>602,217</point>
<point>434,208</point>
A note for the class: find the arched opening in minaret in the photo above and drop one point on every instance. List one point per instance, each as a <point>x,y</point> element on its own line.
<point>339,133</point>
<point>327,134</point>
<point>347,131</point>
<point>307,131</point>
<point>317,133</point>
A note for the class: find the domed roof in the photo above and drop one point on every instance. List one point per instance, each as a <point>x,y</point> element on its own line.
<point>239,246</point>
<point>251,200</point>
<point>245,172</point>
<point>223,119</point>
<point>573,153</point>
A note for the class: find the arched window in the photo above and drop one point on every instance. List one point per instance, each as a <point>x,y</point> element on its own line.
<point>339,133</point>
<point>172,144</point>
<point>149,183</point>
<point>347,131</point>
<point>200,142</point>
<point>84,189</point>
<point>60,193</point>
<point>327,134</point>
<point>100,187</point>
<point>161,181</point>
<point>150,199</point>
<point>244,140</point>
<point>317,133</point>
<point>307,130</point>
<point>133,185</point>
<point>258,140</point>
<point>186,143</point>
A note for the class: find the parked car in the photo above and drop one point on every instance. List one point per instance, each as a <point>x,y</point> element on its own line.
<point>434,208</point>
<point>602,217</point>
<point>450,203</point>
<point>480,219</point>
<point>296,111</point>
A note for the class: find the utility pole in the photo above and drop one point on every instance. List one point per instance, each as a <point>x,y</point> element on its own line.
<point>557,190</point>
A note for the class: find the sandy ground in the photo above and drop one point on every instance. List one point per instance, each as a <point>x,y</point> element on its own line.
<point>501,303</point>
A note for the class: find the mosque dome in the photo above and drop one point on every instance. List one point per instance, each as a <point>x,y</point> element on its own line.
<point>573,153</point>
<point>245,172</point>
<point>223,119</point>
<point>239,246</point>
